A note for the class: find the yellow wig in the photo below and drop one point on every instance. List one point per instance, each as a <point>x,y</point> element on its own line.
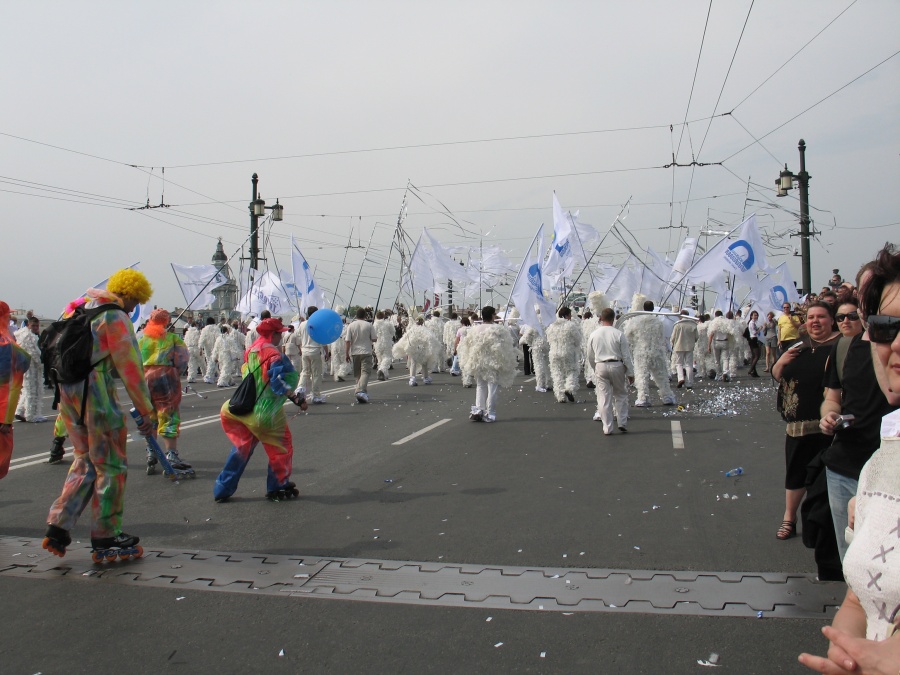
<point>130,283</point>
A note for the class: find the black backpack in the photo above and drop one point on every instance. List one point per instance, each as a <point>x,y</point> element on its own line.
<point>68,347</point>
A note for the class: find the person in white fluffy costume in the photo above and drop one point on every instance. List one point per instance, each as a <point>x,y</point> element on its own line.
<point>566,351</point>
<point>702,359</point>
<point>489,354</point>
<point>340,367</point>
<point>721,344</point>
<point>540,357</point>
<point>208,336</point>
<point>436,325</point>
<point>418,346</point>
<point>597,302</point>
<point>450,328</point>
<point>222,353</point>
<point>195,358</point>
<point>648,348</point>
<point>739,352</point>
<point>384,345</point>
<point>31,405</point>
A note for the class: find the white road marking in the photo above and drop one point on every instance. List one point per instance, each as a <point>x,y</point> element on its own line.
<point>677,436</point>
<point>420,432</point>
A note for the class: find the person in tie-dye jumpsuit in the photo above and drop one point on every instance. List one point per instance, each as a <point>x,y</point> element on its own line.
<point>98,471</point>
<point>14,361</point>
<point>164,356</point>
<point>275,379</point>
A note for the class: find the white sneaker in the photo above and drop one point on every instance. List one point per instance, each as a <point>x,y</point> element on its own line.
<point>543,390</point>
<point>597,417</point>
<point>489,418</point>
<point>427,380</point>
<point>318,399</point>
<point>476,415</point>
<point>642,404</point>
<point>412,382</point>
<point>362,397</point>
<point>300,391</point>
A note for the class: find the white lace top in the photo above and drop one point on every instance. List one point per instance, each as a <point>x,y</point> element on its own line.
<point>872,563</point>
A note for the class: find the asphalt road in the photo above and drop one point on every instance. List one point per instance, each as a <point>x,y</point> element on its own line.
<point>542,488</point>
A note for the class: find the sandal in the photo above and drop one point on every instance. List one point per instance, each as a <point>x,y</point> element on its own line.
<point>787,530</point>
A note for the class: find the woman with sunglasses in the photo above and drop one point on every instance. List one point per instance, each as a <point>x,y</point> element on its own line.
<point>863,636</point>
<point>800,371</point>
<point>851,414</point>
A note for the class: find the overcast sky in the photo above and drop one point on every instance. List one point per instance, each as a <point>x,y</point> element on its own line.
<point>485,107</point>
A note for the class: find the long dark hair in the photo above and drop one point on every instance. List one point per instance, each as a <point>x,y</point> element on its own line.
<point>884,272</point>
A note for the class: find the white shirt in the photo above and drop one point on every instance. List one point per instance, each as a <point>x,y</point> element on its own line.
<point>609,344</point>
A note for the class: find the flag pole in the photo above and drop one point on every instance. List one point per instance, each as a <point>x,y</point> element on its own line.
<point>359,274</point>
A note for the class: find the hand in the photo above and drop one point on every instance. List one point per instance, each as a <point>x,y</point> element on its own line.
<point>857,655</point>
<point>828,423</point>
<point>851,512</point>
<point>631,379</point>
<point>145,428</point>
<point>5,428</point>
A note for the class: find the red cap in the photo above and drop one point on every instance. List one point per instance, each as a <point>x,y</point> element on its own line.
<point>268,326</point>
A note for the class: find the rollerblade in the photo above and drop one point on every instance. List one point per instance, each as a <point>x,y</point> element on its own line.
<point>179,465</point>
<point>56,450</point>
<point>289,491</point>
<point>56,540</point>
<point>151,461</point>
<point>122,546</point>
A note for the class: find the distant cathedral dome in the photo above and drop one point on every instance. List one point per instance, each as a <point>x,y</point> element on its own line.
<point>226,294</point>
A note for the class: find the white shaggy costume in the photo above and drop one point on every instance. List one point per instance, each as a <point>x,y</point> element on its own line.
<point>419,345</point>
<point>222,353</point>
<point>450,328</point>
<point>384,345</point>
<point>723,350</point>
<point>436,325</point>
<point>566,351</point>
<point>31,405</point>
<point>703,359</point>
<point>651,359</point>
<point>207,344</point>
<point>597,302</point>
<point>341,368</point>
<point>195,358</point>
<point>488,353</point>
<point>540,358</point>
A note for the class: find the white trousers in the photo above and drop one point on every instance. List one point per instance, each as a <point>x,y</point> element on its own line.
<point>311,375</point>
<point>612,394</point>
<point>486,395</point>
<point>684,367</point>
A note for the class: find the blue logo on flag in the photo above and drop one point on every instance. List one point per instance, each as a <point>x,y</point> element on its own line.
<point>740,255</point>
<point>778,295</point>
<point>563,250</point>
<point>534,280</point>
<point>310,286</point>
<point>136,315</point>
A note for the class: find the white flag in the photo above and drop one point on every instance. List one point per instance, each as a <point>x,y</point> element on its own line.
<point>655,275</point>
<point>267,292</point>
<point>304,283</point>
<point>772,292</point>
<point>197,282</point>
<point>626,282</point>
<point>528,291</point>
<point>418,276</point>
<point>443,265</point>
<point>742,257</point>
<point>561,260</point>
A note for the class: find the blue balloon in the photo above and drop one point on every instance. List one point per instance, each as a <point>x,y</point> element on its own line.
<point>325,326</point>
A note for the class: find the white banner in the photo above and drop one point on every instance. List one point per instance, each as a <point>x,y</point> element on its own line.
<point>528,292</point>
<point>743,257</point>
<point>561,261</point>
<point>197,282</point>
<point>266,293</point>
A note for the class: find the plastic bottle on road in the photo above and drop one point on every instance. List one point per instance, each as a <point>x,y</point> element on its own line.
<point>739,471</point>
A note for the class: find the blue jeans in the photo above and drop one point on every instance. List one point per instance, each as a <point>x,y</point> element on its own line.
<point>840,490</point>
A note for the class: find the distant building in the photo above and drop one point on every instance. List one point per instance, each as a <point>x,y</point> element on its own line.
<point>226,294</point>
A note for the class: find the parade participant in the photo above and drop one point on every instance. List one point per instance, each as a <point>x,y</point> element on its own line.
<point>788,327</point>
<point>591,322</point>
<point>95,424</point>
<point>610,358</point>
<point>358,344</point>
<point>754,330</point>
<point>290,345</point>
<point>384,345</point>
<point>417,345</point>
<point>274,379</point>
<point>465,323</point>
<point>340,369</point>
<point>719,334</point>
<point>539,352</point>
<point>208,337</point>
<point>565,340</point>
<point>31,403</point>
<point>706,366</point>
<point>489,354</point>
<point>863,635</point>
<point>229,370</point>
<point>164,355</point>
<point>800,371</point>
<point>195,358</point>
<point>436,325</point>
<point>684,339</point>
<point>449,339</point>
<point>312,360</point>
<point>14,365</point>
<point>648,347</point>
<point>849,391</point>
<point>252,335</point>
<point>57,451</point>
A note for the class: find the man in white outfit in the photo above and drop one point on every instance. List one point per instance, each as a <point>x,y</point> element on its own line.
<point>312,361</point>
<point>610,359</point>
<point>684,338</point>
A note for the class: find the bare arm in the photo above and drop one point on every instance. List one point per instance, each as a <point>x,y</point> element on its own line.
<point>830,410</point>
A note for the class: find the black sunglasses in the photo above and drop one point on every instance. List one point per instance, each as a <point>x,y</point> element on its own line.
<point>853,316</point>
<point>882,329</point>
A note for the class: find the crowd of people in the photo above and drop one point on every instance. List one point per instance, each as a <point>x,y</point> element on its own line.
<point>842,439</point>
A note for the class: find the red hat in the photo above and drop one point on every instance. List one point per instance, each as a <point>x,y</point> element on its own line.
<point>268,326</point>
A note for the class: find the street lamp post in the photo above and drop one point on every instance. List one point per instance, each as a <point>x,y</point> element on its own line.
<point>258,208</point>
<point>785,182</point>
